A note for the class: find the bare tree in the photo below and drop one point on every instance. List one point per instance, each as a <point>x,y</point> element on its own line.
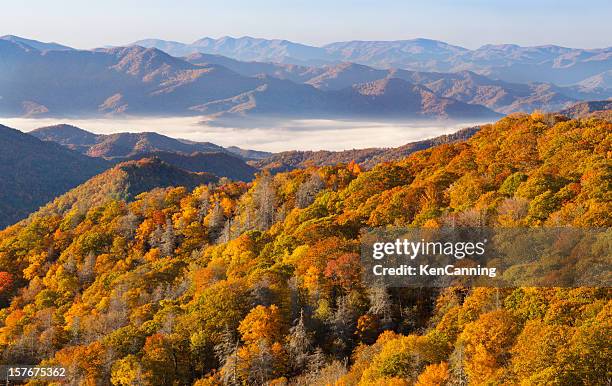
<point>226,232</point>
<point>262,365</point>
<point>343,323</point>
<point>264,198</point>
<point>86,273</point>
<point>299,345</point>
<point>380,303</point>
<point>168,240</point>
<point>216,222</point>
<point>308,190</point>
<point>458,375</point>
<point>128,225</point>
<point>227,354</point>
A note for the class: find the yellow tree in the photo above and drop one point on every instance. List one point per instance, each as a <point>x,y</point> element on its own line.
<point>487,344</point>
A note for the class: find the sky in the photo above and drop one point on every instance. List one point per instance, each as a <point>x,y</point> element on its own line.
<point>469,23</point>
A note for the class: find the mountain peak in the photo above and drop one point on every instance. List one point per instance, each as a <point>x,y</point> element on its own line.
<point>135,177</point>
<point>66,135</point>
<point>37,45</point>
<point>124,182</point>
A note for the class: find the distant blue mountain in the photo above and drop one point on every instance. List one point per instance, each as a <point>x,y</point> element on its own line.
<point>147,81</point>
<point>245,49</point>
<point>53,80</point>
<point>508,62</point>
<point>41,46</point>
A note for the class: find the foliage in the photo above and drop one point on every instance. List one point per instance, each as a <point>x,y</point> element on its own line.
<point>241,283</point>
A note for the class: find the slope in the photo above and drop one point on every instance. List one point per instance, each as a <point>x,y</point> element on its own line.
<point>218,163</point>
<point>366,158</point>
<point>125,181</point>
<point>33,172</point>
<point>148,289</point>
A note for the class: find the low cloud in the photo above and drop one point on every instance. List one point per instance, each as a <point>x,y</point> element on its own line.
<point>264,134</point>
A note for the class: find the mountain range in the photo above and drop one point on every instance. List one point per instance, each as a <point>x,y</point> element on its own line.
<point>36,168</point>
<point>508,62</point>
<point>118,145</point>
<point>465,86</point>
<point>189,155</point>
<point>34,171</point>
<point>366,158</point>
<point>231,162</point>
<point>147,81</point>
<point>48,79</point>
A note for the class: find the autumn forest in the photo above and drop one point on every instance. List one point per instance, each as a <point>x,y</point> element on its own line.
<point>210,281</point>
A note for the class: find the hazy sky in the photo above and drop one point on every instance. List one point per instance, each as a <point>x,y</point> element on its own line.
<point>470,23</point>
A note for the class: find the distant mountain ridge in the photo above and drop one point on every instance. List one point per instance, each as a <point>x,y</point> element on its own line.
<point>132,80</point>
<point>589,108</point>
<point>37,45</point>
<point>147,81</point>
<point>394,99</point>
<point>121,147</point>
<point>465,86</point>
<point>366,158</point>
<point>508,62</point>
<point>61,82</point>
<point>244,49</point>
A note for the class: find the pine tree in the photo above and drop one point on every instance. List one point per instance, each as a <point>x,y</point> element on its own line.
<point>226,233</point>
<point>343,325</point>
<point>316,360</point>
<point>226,352</point>
<point>262,365</point>
<point>155,237</point>
<point>299,345</point>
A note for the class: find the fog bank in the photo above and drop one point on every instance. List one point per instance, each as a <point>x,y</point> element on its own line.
<point>306,134</point>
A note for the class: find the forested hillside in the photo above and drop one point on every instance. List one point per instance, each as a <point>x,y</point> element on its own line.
<point>366,158</point>
<point>220,164</point>
<point>33,172</point>
<point>188,155</point>
<point>235,283</point>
